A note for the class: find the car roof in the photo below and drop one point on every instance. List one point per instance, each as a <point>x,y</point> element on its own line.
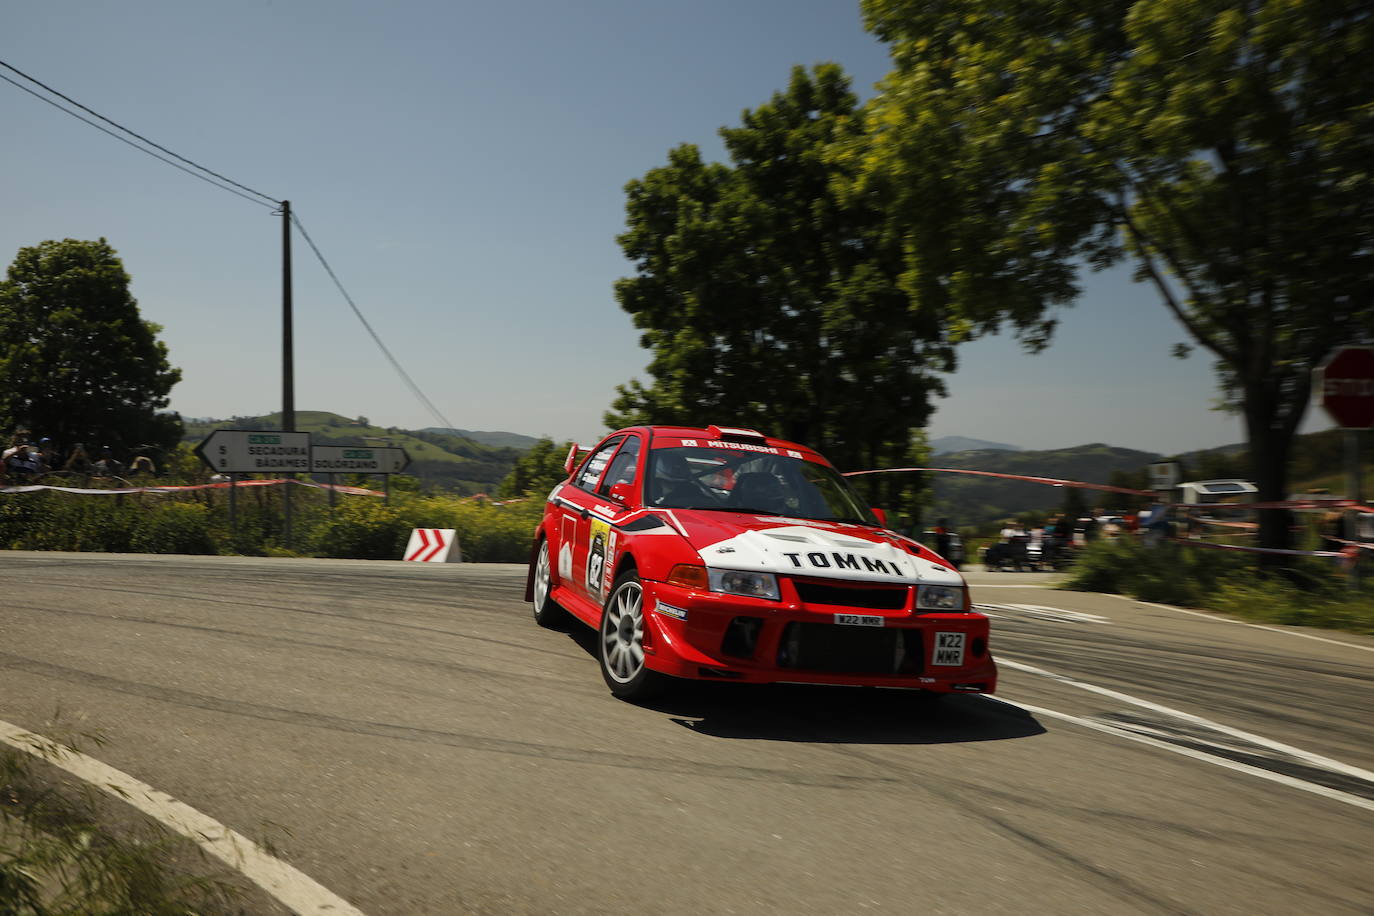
<point>719,433</point>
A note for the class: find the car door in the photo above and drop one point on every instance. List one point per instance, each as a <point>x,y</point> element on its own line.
<point>600,535</point>
<point>577,502</point>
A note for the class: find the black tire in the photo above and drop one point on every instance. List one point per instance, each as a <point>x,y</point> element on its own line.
<point>620,643</point>
<point>547,612</point>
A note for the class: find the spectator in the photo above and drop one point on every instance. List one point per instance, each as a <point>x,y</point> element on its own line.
<point>107,465</point>
<point>942,538</point>
<point>78,462</point>
<point>22,466</point>
<point>20,437</point>
<point>1331,529</point>
<point>1154,524</point>
<point>1036,541</point>
<point>49,455</point>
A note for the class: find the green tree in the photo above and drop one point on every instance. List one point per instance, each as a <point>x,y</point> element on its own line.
<point>1225,148</point>
<point>537,471</point>
<point>767,293</point>
<point>77,363</point>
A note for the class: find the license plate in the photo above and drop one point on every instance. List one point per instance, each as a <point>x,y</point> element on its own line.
<point>858,620</point>
<point>949,649</point>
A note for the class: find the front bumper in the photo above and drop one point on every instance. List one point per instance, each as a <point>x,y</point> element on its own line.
<point>707,635</point>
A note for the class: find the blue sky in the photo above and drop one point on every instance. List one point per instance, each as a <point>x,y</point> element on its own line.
<point>462,165</point>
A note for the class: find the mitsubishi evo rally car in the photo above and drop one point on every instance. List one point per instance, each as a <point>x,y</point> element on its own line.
<point>722,554</point>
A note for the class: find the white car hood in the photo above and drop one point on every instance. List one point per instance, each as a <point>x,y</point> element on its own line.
<point>804,550</point>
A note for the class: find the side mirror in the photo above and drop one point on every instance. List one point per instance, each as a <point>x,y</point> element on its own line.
<point>570,462</point>
<point>622,493</point>
<point>882,516</point>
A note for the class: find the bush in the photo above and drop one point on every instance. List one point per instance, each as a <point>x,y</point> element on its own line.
<point>359,527</point>
<point>174,528</point>
<point>486,533</point>
<point>1305,593</point>
<point>363,530</point>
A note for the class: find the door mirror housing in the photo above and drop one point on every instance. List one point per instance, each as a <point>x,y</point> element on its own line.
<point>622,493</point>
<point>570,462</point>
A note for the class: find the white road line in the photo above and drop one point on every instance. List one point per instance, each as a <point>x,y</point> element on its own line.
<point>1256,626</point>
<point>1314,788</point>
<point>1316,760</point>
<point>292,887</point>
<point>1042,612</point>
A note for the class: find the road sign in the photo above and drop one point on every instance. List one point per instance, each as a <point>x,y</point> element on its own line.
<point>1164,475</point>
<point>1344,383</point>
<point>433,545</point>
<point>351,459</point>
<point>256,451</point>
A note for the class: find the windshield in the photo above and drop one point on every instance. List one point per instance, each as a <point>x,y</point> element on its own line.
<point>730,481</point>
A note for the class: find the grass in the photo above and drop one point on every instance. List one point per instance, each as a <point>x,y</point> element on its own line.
<point>62,855</point>
<point>1310,592</point>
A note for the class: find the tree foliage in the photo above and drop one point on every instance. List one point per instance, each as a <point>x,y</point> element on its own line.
<point>537,471</point>
<point>1224,147</point>
<point>768,295</point>
<point>77,363</point>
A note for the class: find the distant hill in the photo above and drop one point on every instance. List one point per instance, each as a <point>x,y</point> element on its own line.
<point>439,459</point>
<point>969,500</point>
<point>946,444</point>
<point>496,438</point>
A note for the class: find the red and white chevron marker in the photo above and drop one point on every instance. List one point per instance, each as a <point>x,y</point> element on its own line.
<point>432,545</point>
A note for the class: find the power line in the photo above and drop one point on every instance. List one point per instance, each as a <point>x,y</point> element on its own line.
<point>183,168</point>
<point>13,69</point>
<point>266,200</point>
<point>434,411</point>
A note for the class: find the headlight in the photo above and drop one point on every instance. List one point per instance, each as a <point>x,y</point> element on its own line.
<point>940,597</point>
<point>752,584</point>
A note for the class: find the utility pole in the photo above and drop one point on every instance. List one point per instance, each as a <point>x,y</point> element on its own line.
<point>288,370</point>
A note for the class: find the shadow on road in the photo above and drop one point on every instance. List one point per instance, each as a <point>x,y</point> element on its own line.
<point>832,715</point>
<point>842,715</point>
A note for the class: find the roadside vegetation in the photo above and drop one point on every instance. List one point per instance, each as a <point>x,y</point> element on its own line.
<point>1310,592</point>
<point>62,855</point>
<point>198,522</point>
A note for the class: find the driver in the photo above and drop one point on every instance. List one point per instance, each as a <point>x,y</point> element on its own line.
<point>759,491</point>
<point>675,487</point>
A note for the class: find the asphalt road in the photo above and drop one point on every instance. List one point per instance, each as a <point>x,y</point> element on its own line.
<point>412,741</point>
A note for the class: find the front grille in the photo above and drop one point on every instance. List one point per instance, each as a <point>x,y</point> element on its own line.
<point>850,650</point>
<point>881,598</point>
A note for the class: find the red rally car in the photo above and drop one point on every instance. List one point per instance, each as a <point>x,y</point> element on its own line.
<point>723,554</point>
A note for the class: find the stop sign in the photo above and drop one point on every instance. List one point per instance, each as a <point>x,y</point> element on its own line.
<point>1345,384</point>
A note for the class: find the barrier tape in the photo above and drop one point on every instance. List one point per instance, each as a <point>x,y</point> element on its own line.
<point>1291,553</point>
<point>1218,523</point>
<point>165,490</point>
<point>1358,544</point>
<point>1298,504</point>
<point>224,485</point>
<point>1052,481</point>
<point>1058,482</point>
